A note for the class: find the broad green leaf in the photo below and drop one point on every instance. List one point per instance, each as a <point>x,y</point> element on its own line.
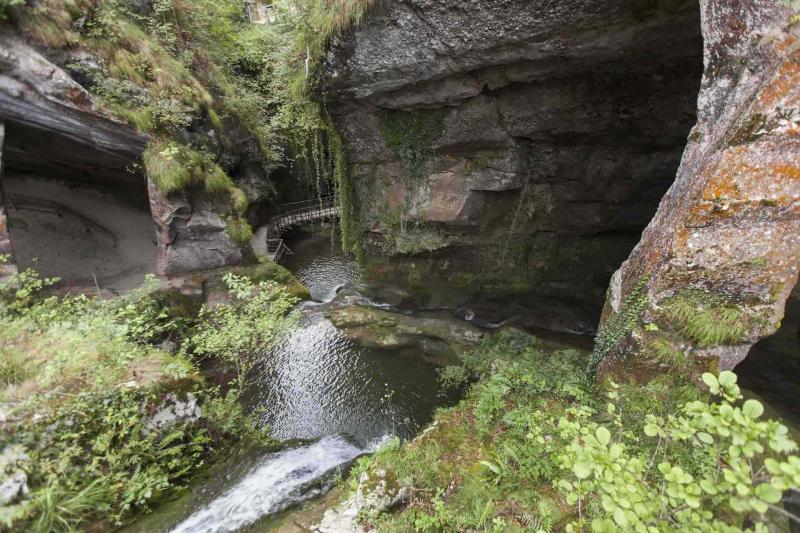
<point>727,378</point>
<point>768,493</point>
<point>705,437</point>
<point>753,408</point>
<point>603,435</point>
<point>710,380</point>
<point>620,518</point>
<point>582,469</point>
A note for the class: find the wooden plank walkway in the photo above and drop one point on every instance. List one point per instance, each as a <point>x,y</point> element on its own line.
<point>294,214</point>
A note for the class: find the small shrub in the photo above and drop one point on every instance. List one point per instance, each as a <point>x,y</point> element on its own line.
<point>238,333</point>
<point>411,134</point>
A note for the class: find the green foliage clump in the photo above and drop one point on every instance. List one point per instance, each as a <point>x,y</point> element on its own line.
<point>535,447</point>
<point>174,167</point>
<point>705,319</point>
<point>6,5</point>
<point>81,378</point>
<point>412,134</point>
<point>618,325</point>
<point>240,230</point>
<point>255,319</point>
<point>403,239</point>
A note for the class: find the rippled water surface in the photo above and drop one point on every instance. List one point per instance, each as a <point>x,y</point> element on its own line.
<point>318,384</point>
<point>319,264</point>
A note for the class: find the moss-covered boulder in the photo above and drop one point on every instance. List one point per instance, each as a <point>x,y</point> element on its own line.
<point>442,338</point>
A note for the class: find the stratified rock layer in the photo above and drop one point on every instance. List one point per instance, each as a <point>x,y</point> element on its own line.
<point>515,150</point>
<point>56,127</point>
<point>53,124</point>
<point>726,238</point>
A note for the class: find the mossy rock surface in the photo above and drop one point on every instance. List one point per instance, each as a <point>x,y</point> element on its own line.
<point>445,339</point>
<point>266,271</point>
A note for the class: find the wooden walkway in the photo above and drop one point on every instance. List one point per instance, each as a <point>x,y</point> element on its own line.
<point>292,215</point>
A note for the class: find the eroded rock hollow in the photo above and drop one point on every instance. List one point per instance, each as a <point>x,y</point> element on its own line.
<point>515,149</point>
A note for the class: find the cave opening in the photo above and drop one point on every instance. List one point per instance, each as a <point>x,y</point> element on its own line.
<point>76,212</point>
<point>772,367</point>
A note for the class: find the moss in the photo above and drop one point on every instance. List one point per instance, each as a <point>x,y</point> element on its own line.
<point>262,271</point>
<point>748,130</point>
<point>411,135</point>
<point>417,240</point>
<point>758,262</point>
<point>705,319</point>
<point>239,230</point>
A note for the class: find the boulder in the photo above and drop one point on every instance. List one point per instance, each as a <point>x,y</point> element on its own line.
<point>190,237</point>
<point>377,491</point>
<point>441,338</point>
<point>725,241</point>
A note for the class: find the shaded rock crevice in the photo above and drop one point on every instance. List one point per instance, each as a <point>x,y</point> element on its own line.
<point>557,129</point>
<point>726,232</point>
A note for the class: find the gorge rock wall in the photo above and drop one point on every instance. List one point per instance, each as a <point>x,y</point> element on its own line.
<point>516,150</point>
<point>719,259</point>
<point>56,127</point>
<point>7,263</point>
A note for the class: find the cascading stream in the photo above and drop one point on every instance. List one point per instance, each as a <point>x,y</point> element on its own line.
<point>273,484</point>
<point>318,384</point>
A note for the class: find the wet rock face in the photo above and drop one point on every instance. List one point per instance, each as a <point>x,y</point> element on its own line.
<point>519,148</point>
<point>7,263</point>
<point>725,241</point>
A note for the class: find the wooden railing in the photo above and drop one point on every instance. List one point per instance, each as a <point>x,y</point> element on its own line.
<point>294,214</point>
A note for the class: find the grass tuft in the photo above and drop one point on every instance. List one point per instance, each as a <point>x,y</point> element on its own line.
<point>705,319</point>
<point>164,168</point>
<point>239,230</point>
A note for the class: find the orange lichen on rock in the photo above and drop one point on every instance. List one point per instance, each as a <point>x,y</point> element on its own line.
<point>785,84</point>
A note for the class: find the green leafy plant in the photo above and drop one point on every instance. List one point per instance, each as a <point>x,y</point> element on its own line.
<point>535,445</point>
<point>618,325</point>
<point>82,377</point>
<point>239,332</point>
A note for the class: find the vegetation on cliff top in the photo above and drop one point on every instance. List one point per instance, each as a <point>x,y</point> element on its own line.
<point>84,383</point>
<point>194,75</point>
<point>534,447</point>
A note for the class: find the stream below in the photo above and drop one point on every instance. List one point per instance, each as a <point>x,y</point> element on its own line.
<point>335,398</point>
<point>331,399</point>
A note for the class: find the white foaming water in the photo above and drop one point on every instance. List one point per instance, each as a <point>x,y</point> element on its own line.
<point>276,482</point>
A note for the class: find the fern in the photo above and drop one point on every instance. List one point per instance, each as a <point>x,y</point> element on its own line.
<point>618,325</point>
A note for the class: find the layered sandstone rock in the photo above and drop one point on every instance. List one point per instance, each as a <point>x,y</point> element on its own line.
<point>515,150</point>
<point>56,127</point>
<point>724,244</point>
